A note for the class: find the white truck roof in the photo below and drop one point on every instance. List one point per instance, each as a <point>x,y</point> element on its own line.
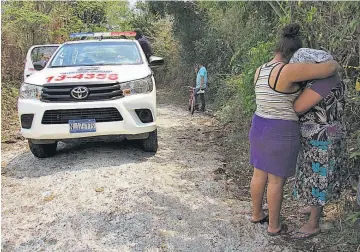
<point>100,41</point>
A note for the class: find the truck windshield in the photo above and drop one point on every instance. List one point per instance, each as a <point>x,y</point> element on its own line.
<point>97,54</point>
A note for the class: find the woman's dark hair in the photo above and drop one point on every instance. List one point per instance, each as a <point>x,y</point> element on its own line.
<point>289,42</point>
<point>197,64</point>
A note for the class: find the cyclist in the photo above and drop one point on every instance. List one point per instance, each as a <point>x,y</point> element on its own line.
<point>201,84</point>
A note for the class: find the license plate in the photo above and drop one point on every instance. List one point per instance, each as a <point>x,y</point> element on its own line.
<point>81,126</point>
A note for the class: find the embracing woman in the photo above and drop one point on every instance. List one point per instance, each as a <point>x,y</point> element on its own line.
<point>275,132</point>
<point>322,156</point>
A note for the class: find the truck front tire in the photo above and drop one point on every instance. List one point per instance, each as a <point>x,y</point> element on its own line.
<point>150,144</point>
<point>42,150</point>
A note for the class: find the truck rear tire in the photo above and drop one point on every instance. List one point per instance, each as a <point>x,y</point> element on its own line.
<point>42,150</point>
<point>150,144</point>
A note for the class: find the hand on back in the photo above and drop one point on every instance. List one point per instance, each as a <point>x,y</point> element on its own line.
<point>293,73</point>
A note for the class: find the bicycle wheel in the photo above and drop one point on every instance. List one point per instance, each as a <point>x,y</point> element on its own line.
<point>192,106</point>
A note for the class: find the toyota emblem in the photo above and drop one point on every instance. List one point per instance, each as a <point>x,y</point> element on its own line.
<point>79,93</point>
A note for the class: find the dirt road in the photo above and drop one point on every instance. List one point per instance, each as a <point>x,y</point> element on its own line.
<point>114,197</point>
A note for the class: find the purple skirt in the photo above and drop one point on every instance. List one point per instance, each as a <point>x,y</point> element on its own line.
<point>274,145</point>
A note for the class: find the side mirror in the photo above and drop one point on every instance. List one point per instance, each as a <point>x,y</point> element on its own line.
<point>156,61</point>
<point>39,65</point>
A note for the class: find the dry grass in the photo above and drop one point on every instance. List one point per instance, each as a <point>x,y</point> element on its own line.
<point>9,119</point>
<point>175,97</point>
<point>337,234</point>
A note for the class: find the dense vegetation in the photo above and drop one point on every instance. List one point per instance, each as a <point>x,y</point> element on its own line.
<point>231,38</point>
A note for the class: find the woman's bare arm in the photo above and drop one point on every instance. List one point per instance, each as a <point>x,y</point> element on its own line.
<point>306,101</point>
<point>297,72</point>
<point>317,91</point>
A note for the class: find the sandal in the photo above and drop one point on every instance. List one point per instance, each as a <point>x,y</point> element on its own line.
<point>283,230</point>
<point>305,210</point>
<point>261,221</point>
<point>304,235</point>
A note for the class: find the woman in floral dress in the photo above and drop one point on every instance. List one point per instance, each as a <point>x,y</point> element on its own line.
<point>322,128</point>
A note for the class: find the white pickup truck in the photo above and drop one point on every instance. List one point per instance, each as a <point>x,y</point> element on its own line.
<point>89,88</point>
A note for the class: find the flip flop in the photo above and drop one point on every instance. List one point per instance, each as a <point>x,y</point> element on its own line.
<point>303,211</point>
<point>308,213</point>
<point>261,221</point>
<point>283,230</point>
<point>298,235</point>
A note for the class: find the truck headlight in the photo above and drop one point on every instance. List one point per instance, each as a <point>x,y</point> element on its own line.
<point>140,86</point>
<point>28,91</point>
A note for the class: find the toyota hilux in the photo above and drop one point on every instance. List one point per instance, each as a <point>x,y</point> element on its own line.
<point>90,88</point>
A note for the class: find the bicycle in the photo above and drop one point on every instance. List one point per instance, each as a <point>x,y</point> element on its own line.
<point>192,99</point>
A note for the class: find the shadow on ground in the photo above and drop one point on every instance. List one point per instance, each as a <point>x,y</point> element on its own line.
<point>77,156</point>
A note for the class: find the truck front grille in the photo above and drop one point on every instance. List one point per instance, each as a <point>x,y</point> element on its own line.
<point>61,92</point>
<point>62,116</point>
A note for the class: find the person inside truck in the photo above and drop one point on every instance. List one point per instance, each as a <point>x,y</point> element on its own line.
<point>85,59</point>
